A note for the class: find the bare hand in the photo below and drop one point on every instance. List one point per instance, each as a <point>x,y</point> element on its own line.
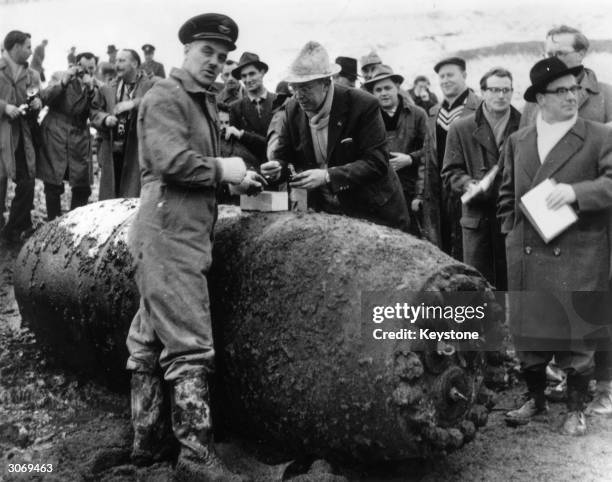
<point>69,74</point>
<point>253,183</point>
<point>473,189</point>
<point>36,104</point>
<point>399,160</point>
<point>416,205</point>
<point>12,111</point>
<point>124,106</point>
<point>271,170</point>
<point>561,194</point>
<point>310,179</point>
<point>110,121</point>
<point>232,131</point>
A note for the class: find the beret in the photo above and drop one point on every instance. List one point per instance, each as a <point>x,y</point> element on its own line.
<point>450,61</point>
<point>210,26</point>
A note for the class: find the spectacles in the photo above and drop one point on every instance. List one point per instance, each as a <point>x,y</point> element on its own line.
<point>499,90</point>
<point>562,91</point>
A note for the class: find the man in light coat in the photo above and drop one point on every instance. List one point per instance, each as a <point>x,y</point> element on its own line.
<point>18,112</point>
<point>335,138</point>
<point>545,279</point>
<point>441,208</point>
<point>473,146</point>
<point>65,152</point>
<point>171,241</point>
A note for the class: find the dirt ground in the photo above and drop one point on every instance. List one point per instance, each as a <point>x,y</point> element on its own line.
<point>48,416</point>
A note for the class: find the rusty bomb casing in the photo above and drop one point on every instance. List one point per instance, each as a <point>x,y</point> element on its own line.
<point>298,366</point>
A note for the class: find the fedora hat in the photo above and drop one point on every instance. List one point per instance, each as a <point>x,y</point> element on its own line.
<point>544,72</point>
<point>382,72</point>
<point>370,59</point>
<point>248,58</point>
<point>311,63</point>
<point>349,67</point>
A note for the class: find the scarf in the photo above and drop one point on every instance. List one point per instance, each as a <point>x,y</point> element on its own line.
<point>319,123</point>
<point>498,125</point>
<point>549,135</point>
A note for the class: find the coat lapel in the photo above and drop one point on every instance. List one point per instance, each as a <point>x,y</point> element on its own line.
<point>337,119</point>
<point>562,152</point>
<point>484,136</point>
<point>306,137</point>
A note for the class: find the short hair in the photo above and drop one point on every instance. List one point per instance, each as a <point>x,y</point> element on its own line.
<point>223,107</point>
<point>580,40</point>
<point>134,55</point>
<point>420,78</point>
<point>15,37</point>
<point>497,72</point>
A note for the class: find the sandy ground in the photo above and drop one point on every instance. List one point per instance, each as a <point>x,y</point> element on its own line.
<point>48,416</point>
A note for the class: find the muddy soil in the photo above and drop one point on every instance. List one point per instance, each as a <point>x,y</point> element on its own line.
<point>48,416</point>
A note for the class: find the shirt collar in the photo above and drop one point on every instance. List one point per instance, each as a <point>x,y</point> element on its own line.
<point>189,83</point>
<point>263,96</point>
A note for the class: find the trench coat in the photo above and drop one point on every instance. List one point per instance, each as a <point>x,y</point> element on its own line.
<point>471,152</point>
<point>434,197</point>
<point>65,136</point>
<point>595,102</point>
<point>357,158</point>
<point>15,93</point>
<point>171,236</point>
<point>575,261</point>
<point>129,185</point>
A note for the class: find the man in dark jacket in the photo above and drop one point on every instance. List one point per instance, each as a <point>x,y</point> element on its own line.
<point>65,152</point>
<point>546,276</point>
<point>442,209</point>
<point>18,112</point>
<point>116,114</point>
<point>473,146</point>
<point>151,66</point>
<point>250,117</point>
<point>335,138</point>
<point>408,139</point>
<point>171,241</point>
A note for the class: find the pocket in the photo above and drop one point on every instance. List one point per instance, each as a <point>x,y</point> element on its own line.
<point>470,222</point>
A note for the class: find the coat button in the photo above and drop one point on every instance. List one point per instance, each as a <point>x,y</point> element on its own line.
<point>527,249</point>
<point>557,251</point>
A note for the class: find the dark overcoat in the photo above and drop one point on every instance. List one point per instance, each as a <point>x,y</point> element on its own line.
<point>357,159</point>
<point>434,197</point>
<point>575,261</point>
<point>129,185</point>
<point>471,152</point>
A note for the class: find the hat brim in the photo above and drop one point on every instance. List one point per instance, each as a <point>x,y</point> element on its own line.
<point>294,78</point>
<point>257,63</point>
<point>211,36</point>
<point>442,63</point>
<point>398,79</point>
<point>532,90</point>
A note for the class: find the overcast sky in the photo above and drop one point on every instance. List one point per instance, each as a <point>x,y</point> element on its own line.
<point>403,31</point>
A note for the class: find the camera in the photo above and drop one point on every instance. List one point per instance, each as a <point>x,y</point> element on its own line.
<point>80,72</point>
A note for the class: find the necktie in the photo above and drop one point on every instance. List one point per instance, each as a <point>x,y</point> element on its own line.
<point>258,106</point>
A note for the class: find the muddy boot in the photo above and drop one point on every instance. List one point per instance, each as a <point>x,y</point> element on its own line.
<point>602,401</point>
<point>192,427</point>
<point>535,404</point>
<point>152,436</point>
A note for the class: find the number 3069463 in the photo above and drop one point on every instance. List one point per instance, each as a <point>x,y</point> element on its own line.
<point>16,468</point>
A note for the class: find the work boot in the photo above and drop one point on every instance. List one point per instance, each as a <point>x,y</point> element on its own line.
<point>557,393</point>
<point>524,414</point>
<point>574,424</point>
<point>152,437</point>
<point>602,401</point>
<point>192,427</point>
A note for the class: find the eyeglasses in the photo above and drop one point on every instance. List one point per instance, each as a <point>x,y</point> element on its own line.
<point>562,91</point>
<point>499,90</point>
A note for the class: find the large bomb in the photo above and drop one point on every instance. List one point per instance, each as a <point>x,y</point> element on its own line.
<point>297,358</point>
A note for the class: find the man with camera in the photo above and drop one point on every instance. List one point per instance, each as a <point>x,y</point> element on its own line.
<point>18,108</point>
<point>115,119</point>
<point>65,138</point>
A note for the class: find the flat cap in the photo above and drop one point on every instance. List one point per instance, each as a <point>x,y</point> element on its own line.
<point>148,48</point>
<point>450,61</point>
<point>210,26</point>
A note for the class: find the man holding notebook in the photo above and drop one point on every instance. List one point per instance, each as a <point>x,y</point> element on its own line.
<point>545,275</point>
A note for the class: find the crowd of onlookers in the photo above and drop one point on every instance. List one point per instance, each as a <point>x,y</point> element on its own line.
<point>450,170</point>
